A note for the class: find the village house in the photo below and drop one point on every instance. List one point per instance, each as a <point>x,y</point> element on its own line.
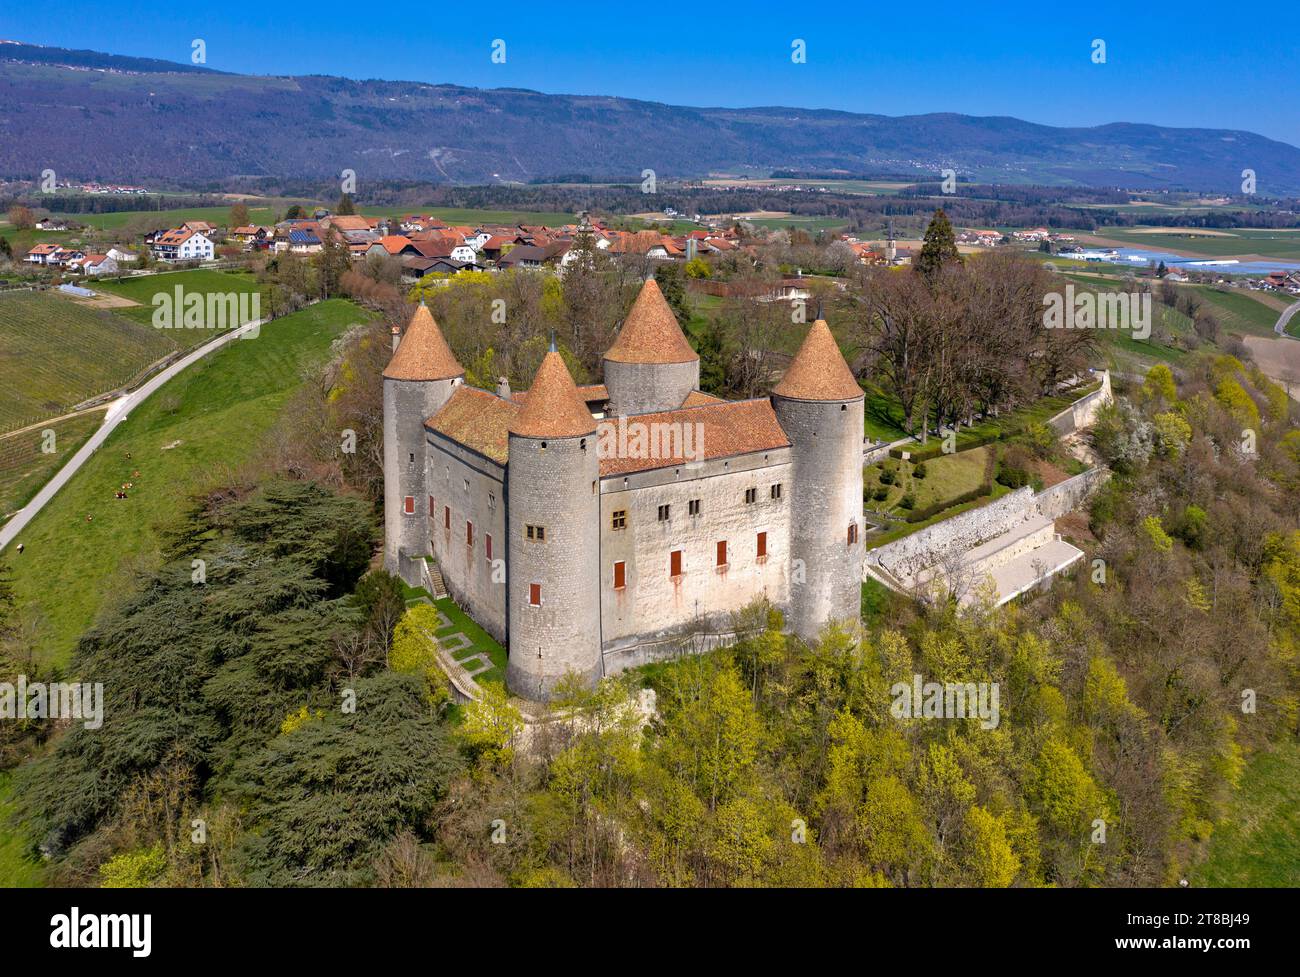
<point>182,244</point>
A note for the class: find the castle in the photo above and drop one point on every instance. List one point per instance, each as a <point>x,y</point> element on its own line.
<point>589,529</point>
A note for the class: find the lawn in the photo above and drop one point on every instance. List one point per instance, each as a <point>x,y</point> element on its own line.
<point>25,466</point>
<point>57,353</point>
<point>1260,843</point>
<point>946,477</point>
<point>196,430</point>
<point>462,623</point>
<point>18,870</point>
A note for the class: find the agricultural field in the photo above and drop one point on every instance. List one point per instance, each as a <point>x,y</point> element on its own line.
<point>259,212</point>
<point>142,290</point>
<point>25,466</point>
<point>1283,244</point>
<point>201,426</point>
<point>474,217</point>
<point>55,354</point>
<point>1240,311</point>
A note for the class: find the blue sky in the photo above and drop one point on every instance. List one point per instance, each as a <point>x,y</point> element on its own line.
<point>1185,64</point>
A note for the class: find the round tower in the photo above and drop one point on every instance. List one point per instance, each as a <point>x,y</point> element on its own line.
<point>553,550</point>
<point>418,380</point>
<point>820,407</point>
<point>651,366</point>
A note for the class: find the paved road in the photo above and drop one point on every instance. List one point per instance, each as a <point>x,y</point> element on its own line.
<point>118,411</point>
<point>1285,317</point>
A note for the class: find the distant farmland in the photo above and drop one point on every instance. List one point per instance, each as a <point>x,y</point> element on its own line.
<point>55,353</point>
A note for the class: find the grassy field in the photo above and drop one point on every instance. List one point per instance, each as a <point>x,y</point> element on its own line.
<point>56,353</point>
<point>1260,843</point>
<point>475,217</point>
<point>200,426</point>
<point>481,641</point>
<point>259,212</point>
<point>142,290</point>
<point>17,869</point>
<point>25,466</point>
<point>1239,311</point>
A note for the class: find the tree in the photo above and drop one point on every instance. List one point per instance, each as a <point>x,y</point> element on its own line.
<point>238,214</point>
<point>22,217</point>
<point>673,285</point>
<point>939,247</point>
<point>345,207</point>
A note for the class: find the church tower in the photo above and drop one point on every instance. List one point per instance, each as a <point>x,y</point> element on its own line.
<point>418,380</point>
<point>820,407</point>
<point>553,533</point>
<point>651,366</point>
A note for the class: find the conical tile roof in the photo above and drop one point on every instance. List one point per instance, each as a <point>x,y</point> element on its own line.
<point>818,370</point>
<point>423,353</point>
<point>553,408</point>
<point>650,333</point>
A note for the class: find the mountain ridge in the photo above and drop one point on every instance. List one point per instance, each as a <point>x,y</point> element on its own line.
<point>114,117</point>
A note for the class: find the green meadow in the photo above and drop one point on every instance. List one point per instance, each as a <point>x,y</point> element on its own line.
<point>203,425</point>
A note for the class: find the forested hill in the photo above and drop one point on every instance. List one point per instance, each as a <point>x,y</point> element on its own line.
<point>99,116</point>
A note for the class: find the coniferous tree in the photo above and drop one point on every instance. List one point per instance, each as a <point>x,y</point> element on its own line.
<point>939,247</point>
<point>345,207</point>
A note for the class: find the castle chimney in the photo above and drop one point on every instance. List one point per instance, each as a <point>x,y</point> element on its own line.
<point>503,388</point>
<point>397,337</point>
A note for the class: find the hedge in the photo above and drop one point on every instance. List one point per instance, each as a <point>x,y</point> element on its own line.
<point>920,515</point>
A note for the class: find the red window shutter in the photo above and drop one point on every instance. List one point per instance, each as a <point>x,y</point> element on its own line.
<point>409,504</point>
<point>469,533</point>
<point>675,563</point>
<point>488,543</point>
<point>762,544</point>
<point>620,575</point>
<point>446,517</point>
<point>722,552</point>
<point>433,509</point>
<point>535,594</point>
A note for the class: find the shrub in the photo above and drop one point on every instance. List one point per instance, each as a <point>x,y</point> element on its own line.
<point>920,515</point>
<point>886,477</point>
<point>908,501</point>
<point>1013,467</point>
<point>919,470</point>
<point>880,494</point>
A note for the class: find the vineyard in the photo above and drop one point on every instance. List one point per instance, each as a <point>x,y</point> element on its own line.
<point>25,466</point>
<point>55,354</point>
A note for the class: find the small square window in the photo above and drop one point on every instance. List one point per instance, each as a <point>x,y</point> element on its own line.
<point>693,507</point>
<point>619,519</point>
<point>776,490</point>
<point>536,534</point>
<point>751,496</point>
<point>663,513</point>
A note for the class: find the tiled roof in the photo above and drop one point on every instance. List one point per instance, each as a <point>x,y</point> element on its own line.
<point>650,333</point>
<point>477,419</point>
<point>553,408</point>
<point>394,243</point>
<point>589,393</point>
<point>726,429</point>
<point>818,370</point>
<point>423,353</point>
<point>698,398</point>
